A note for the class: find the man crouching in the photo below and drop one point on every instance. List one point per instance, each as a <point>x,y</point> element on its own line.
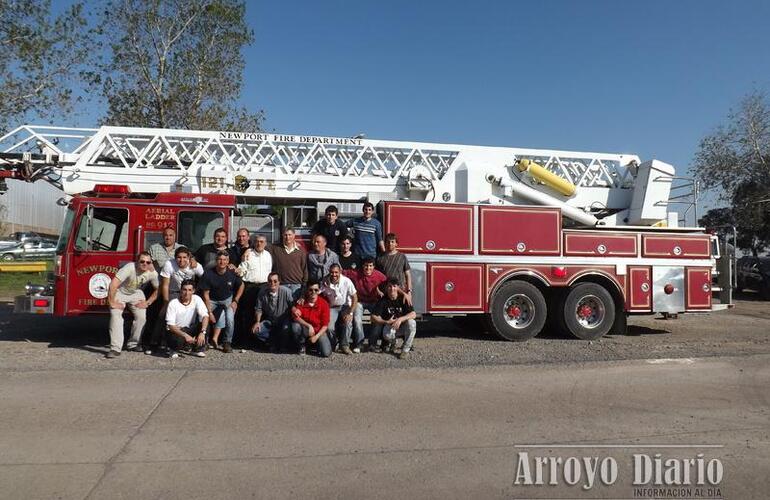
<point>393,317</point>
<point>311,320</point>
<point>187,318</point>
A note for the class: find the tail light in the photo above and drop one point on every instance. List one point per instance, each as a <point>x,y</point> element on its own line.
<point>40,303</point>
<point>559,272</point>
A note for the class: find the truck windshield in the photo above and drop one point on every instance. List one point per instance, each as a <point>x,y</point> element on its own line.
<point>64,236</point>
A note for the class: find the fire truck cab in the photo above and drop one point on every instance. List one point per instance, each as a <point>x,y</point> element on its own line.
<point>105,231</point>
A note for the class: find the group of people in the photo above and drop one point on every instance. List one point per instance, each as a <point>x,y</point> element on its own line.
<point>274,297</point>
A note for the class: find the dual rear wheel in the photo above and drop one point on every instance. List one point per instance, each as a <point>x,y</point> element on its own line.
<point>519,310</point>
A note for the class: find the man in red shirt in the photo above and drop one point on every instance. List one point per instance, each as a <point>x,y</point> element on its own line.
<point>368,282</point>
<point>311,320</point>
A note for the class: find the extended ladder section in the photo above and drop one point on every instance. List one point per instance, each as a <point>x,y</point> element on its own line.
<point>616,188</point>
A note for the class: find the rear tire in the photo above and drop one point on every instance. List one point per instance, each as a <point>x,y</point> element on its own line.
<point>518,311</point>
<point>588,311</point>
<point>8,257</point>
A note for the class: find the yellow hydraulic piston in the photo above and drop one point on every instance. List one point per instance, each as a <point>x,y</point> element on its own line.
<point>551,180</point>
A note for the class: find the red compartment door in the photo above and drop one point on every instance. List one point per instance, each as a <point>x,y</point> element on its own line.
<point>698,288</point>
<point>520,231</point>
<point>639,292</point>
<point>600,244</point>
<point>455,287</point>
<point>677,247</point>
<point>431,227</point>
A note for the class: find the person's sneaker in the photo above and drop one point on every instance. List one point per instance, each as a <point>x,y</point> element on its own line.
<point>112,354</point>
<point>376,349</point>
<point>172,354</point>
<point>213,344</point>
<point>403,355</point>
<point>136,348</point>
<point>199,354</point>
<point>227,347</point>
<point>346,350</point>
<point>357,350</point>
<point>391,347</point>
<point>302,351</point>
<point>148,351</point>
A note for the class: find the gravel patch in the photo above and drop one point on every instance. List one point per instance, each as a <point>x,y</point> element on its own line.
<point>29,343</point>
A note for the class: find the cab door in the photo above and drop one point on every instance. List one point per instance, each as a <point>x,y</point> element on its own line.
<point>101,244</point>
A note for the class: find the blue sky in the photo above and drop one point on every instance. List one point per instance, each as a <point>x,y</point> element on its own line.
<point>646,77</point>
<point>649,78</point>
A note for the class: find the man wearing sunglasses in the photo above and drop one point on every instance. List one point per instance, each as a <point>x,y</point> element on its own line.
<point>310,321</point>
<point>273,314</point>
<point>126,291</point>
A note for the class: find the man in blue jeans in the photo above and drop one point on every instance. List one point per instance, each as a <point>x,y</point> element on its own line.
<point>339,292</point>
<point>222,289</point>
<point>367,234</point>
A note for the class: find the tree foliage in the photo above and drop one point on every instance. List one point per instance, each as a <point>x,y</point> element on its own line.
<point>176,64</point>
<point>735,161</point>
<point>41,59</point>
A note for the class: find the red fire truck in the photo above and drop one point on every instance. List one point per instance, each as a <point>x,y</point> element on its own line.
<point>513,237</point>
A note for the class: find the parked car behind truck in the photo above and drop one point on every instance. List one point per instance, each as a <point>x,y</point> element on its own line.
<point>754,273</point>
<point>32,250</point>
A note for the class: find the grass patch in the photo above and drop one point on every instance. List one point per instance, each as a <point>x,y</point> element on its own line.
<point>12,283</point>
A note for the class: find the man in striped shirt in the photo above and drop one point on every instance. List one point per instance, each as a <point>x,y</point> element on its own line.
<point>368,234</point>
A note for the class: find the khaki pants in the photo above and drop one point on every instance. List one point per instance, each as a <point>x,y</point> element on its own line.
<point>116,320</point>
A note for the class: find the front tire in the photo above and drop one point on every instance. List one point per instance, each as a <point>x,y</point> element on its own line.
<point>588,311</point>
<point>518,311</point>
<point>8,257</point>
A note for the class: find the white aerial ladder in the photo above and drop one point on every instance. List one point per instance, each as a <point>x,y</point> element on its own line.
<point>591,188</point>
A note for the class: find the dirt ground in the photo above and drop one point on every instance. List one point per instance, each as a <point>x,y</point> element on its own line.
<point>47,343</point>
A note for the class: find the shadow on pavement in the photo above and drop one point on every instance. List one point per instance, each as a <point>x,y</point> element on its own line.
<point>87,333</point>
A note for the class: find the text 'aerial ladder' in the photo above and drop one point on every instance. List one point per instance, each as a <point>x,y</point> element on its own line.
<point>590,188</point>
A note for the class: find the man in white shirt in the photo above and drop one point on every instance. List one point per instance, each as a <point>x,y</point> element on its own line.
<point>256,264</point>
<point>187,319</point>
<point>126,291</point>
<point>176,271</point>
<point>340,293</point>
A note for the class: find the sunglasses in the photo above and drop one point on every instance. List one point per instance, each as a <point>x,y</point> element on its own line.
<point>145,262</point>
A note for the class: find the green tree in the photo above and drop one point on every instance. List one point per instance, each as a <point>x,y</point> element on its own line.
<point>176,64</point>
<point>42,59</point>
<point>734,160</point>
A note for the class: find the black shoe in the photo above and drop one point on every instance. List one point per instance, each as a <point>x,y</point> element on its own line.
<point>227,347</point>
<point>302,351</point>
<point>112,354</point>
<point>136,348</point>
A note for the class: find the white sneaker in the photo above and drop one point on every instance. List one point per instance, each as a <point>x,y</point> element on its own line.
<point>148,351</point>
<point>357,350</point>
<point>173,355</point>
<point>199,354</point>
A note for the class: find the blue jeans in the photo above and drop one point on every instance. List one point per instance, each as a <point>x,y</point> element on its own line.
<point>387,333</point>
<point>358,322</point>
<point>225,317</point>
<point>274,332</point>
<point>340,331</point>
<point>296,289</point>
<point>323,343</point>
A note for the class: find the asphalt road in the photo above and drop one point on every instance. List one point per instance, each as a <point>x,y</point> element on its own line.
<point>455,420</point>
<point>50,343</point>
<point>395,433</point>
